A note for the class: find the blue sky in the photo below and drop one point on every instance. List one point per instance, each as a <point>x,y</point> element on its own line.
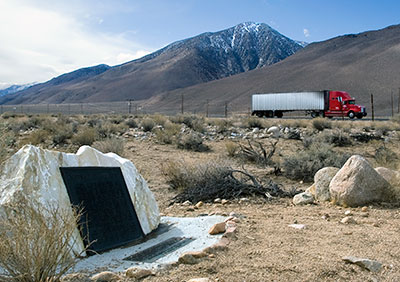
<point>41,39</point>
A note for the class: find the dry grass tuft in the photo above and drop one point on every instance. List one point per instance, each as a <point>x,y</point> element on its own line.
<point>37,242</point>
<point>113,145</point>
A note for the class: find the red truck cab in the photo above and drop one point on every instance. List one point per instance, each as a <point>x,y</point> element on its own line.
<point>341,104</point>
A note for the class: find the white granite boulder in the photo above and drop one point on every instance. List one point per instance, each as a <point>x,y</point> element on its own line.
<point>322,179</point>
<point>357,183</point>
<point>34,172</point>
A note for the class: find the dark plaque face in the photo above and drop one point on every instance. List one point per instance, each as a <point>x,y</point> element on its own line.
<point>109,217</point>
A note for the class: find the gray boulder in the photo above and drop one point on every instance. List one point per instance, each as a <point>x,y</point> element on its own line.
<point>322,179</point>
<point>357,183</point>
<point>393,177</point>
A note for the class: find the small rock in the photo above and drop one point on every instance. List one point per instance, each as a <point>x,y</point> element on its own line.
<point>190,209</point>
<point>348,220</point>
<point>371,265</point>
<point>217,228</point>
<point>297,226</point>
<point>199,204</point>
<point>243,200</point>
<point>186,203</point>
<point>325,216</point>
<point>106,276</point>
<point>217,200</point>
<point>364,209</point>
<point>229,218</point>
<point>303,199</point>
<point>187,258</point>
<point>376,224</point>
<point>221,245</point>
<point>347,213</point>
<point>224,202</point>
<point>364,214</point>
<point>230,223</point>
<point>138,273</point>
<point>75,277</point>
<point>199,280</point>
<point>211,256</point>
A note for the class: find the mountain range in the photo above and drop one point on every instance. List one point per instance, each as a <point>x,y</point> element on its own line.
<point>231,65</point>
<point>206,57</point>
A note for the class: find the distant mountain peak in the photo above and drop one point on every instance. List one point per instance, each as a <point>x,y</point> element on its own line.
<point>202,58</point>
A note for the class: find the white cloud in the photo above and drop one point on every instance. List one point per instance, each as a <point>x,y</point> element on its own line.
<point>306,32</point>
<point>38,44</point>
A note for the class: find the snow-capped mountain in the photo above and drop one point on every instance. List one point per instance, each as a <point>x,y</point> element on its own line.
<point>15,88</point>
<point>208,56</point>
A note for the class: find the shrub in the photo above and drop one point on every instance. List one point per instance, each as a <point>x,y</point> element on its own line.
<point>36,244</point>
<point>386,157</point>
<point>254,122</point>
<point>37,137</point>
<point>231,148</point>
<point>131,123</point>
<point>321,123</point>
<point>223,125</point>
<point>167,135</point>
<point>192,142</point>
<point>113,145</point>
<point>147,124</point>
<point>194,122</point>
<point>303,165</point>
<point>178,174</point>
<point>159,119</point>
<point>215,179</point>
<point>85,136</point>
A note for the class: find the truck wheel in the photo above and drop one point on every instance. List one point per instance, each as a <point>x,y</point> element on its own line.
<point>314,114</point>
<point>351,115</point>
<point>279,114</point>
<point>359,116</point>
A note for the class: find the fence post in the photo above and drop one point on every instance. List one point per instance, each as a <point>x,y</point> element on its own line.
<point>398,102</point>
<point>226,109</point>
<point>1,109</point>
<point>207,105</point>
<point>182,104</point>
<point>48,108</point>
<point>392,103</point>
<point>372,107</point>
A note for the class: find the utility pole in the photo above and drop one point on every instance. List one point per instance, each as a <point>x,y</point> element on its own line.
<point>226,109</point>
<point>129,106</point>
<point>48,108</point>
<point>372,107</point>
<point>182,104</point>
<point>81,108</point>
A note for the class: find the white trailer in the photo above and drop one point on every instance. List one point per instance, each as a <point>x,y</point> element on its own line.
<point>274,104</point>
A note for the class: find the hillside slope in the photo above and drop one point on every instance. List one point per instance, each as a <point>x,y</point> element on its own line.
<point>360,64</point>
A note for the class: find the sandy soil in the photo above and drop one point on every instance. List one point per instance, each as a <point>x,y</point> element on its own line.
<point>267,249</point>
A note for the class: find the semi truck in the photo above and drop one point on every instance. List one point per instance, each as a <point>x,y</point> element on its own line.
<point>325,103</point>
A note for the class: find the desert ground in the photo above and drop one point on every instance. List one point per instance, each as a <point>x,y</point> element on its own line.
<point>266,248</point>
